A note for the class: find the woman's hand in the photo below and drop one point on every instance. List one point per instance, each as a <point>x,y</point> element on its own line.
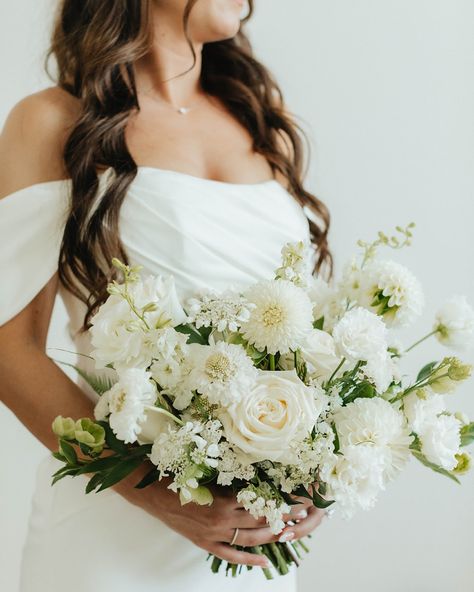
<point>212,527</point>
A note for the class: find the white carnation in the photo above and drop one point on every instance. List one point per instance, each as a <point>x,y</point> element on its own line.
<point>455,323</point>
<point>281,319</point>
<point>441,441</point>
<point>375,422</point>
<point>222,372</point>
<point>126,402</point>
<point>360,335</point>
<point>421,408</point>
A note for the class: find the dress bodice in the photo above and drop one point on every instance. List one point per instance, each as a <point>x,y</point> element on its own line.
<point>208,234</point>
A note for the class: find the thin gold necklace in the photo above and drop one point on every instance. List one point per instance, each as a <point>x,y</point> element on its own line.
<point>181,110</point>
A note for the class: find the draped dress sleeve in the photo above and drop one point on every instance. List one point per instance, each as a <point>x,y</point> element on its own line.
<point>31,228</point>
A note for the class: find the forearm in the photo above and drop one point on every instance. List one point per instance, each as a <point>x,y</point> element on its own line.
<point>36,391</point>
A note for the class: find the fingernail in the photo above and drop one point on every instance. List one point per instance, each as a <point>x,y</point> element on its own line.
<point>286,536</point>
<point>290,523</point>
<point>301,515</point>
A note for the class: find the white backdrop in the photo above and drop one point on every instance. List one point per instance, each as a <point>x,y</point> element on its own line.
<point>386,92</point>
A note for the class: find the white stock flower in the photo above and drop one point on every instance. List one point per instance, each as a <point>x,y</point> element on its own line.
<point>282,316</point>
<point>375,423</point>
<point>296,263</point>
<point>126,402</point>
<point>227,310</point>
<point>222,372</point>
<point>392,291</point>
<point>278,411</point>
<point>170,352</point>
<point>455,323</point>
<point>441,441</point>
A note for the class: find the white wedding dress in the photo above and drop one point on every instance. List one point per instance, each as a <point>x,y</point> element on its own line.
<point>207,234</point>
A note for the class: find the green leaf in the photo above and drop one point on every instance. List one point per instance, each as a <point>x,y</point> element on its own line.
<point>56,478</point>
<point>301,491</point>
<point>68,452</point>
<point>319,501</point>
<point>59,456</point>
<point>319,324</point>
<point>467,434</point>
<point>363,390</point>
<point>100,384</point>
<point>422,458</point>
<point>426,371</point>
<point>94,482</point>
<point>336,438</point>
<point>148,479</point>
<point>200,336</point>
<point>119,472</point>
<point>100,464</point>
<point>111,439</point>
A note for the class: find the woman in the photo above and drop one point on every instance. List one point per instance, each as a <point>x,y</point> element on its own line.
<point>164,143</point>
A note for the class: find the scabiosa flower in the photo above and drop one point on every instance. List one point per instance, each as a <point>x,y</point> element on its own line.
<point>392,292</point>
<point>227,310</point>
<point>222,372</point>
<point>454,323</point>
<point>282,316</point>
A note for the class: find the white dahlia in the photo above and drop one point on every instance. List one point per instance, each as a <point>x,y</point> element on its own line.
<point>392,292</point>
<point>455,323</point>
<point>222,372</point>
<point>282,316</point>
<point>375,423</point>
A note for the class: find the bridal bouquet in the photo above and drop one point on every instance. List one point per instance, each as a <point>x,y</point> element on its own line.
<point>289,388</point>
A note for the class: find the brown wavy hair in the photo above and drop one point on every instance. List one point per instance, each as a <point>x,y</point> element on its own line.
<point>95,44</point>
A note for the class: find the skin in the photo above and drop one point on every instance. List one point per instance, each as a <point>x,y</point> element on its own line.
<point>207,142</point>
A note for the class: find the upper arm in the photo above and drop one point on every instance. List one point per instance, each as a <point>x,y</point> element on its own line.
<point>33,138</point>
<point>31,147</point>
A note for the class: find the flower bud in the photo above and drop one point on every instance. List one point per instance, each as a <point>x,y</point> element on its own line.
<point>458,371</point>
<point>462,417</point>
<point>90,433</point>
<point>64,427</point>
<point>464,463</point>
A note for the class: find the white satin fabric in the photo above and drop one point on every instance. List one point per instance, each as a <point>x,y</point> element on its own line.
<point>207,234</point>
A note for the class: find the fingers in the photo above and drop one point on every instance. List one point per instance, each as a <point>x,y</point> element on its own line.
<point>228,553</point>
<point>251,537</point>
<point>304,527</point>
<point>243,519</point>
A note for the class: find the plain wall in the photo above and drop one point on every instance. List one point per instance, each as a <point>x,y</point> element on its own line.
<point>385,91</point>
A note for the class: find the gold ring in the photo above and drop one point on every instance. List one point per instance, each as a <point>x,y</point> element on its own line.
<point>234,538</point>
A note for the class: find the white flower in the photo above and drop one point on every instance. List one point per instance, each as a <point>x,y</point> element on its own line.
<point>455,323</point>
<point>281,318</point>
<point>421,408</point>
<point>441,441</point>
<point>319,352</point>
<point>360,335</point>
<point>375,422</point>
<point>155,422</point>
<point>126,402</point>
<point>222,372</point>
<point>278,411</point>
<point>355,479</point>
<point>227,310</point>
<point>261,503</point>
<point>170,352</point>
<point>392,291</point>
<point>296,263</point>
<point>327,302</point>
<point>157,295</point>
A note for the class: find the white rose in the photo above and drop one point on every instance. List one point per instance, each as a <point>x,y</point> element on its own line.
<point>319,353</point>
<point>441,441</point>
<point>278,411</point>
<point>155,423</point>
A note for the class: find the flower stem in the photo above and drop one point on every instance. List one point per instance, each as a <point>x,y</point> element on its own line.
<point>420,340</point>
<point>335,372</point>
<point>271,359</point>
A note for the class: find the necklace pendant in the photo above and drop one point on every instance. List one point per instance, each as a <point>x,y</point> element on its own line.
<point>183,110</point>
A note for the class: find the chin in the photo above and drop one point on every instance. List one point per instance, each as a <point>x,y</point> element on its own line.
<point>215,20</point>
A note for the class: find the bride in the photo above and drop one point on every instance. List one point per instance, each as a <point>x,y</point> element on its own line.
<point>164,142</point>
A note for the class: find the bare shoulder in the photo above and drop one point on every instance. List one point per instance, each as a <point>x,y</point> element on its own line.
<point>33,137</point>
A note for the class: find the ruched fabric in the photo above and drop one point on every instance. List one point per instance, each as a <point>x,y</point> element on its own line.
<point>208,234</point>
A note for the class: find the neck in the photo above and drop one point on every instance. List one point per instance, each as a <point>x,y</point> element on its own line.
<point>159,72</point>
